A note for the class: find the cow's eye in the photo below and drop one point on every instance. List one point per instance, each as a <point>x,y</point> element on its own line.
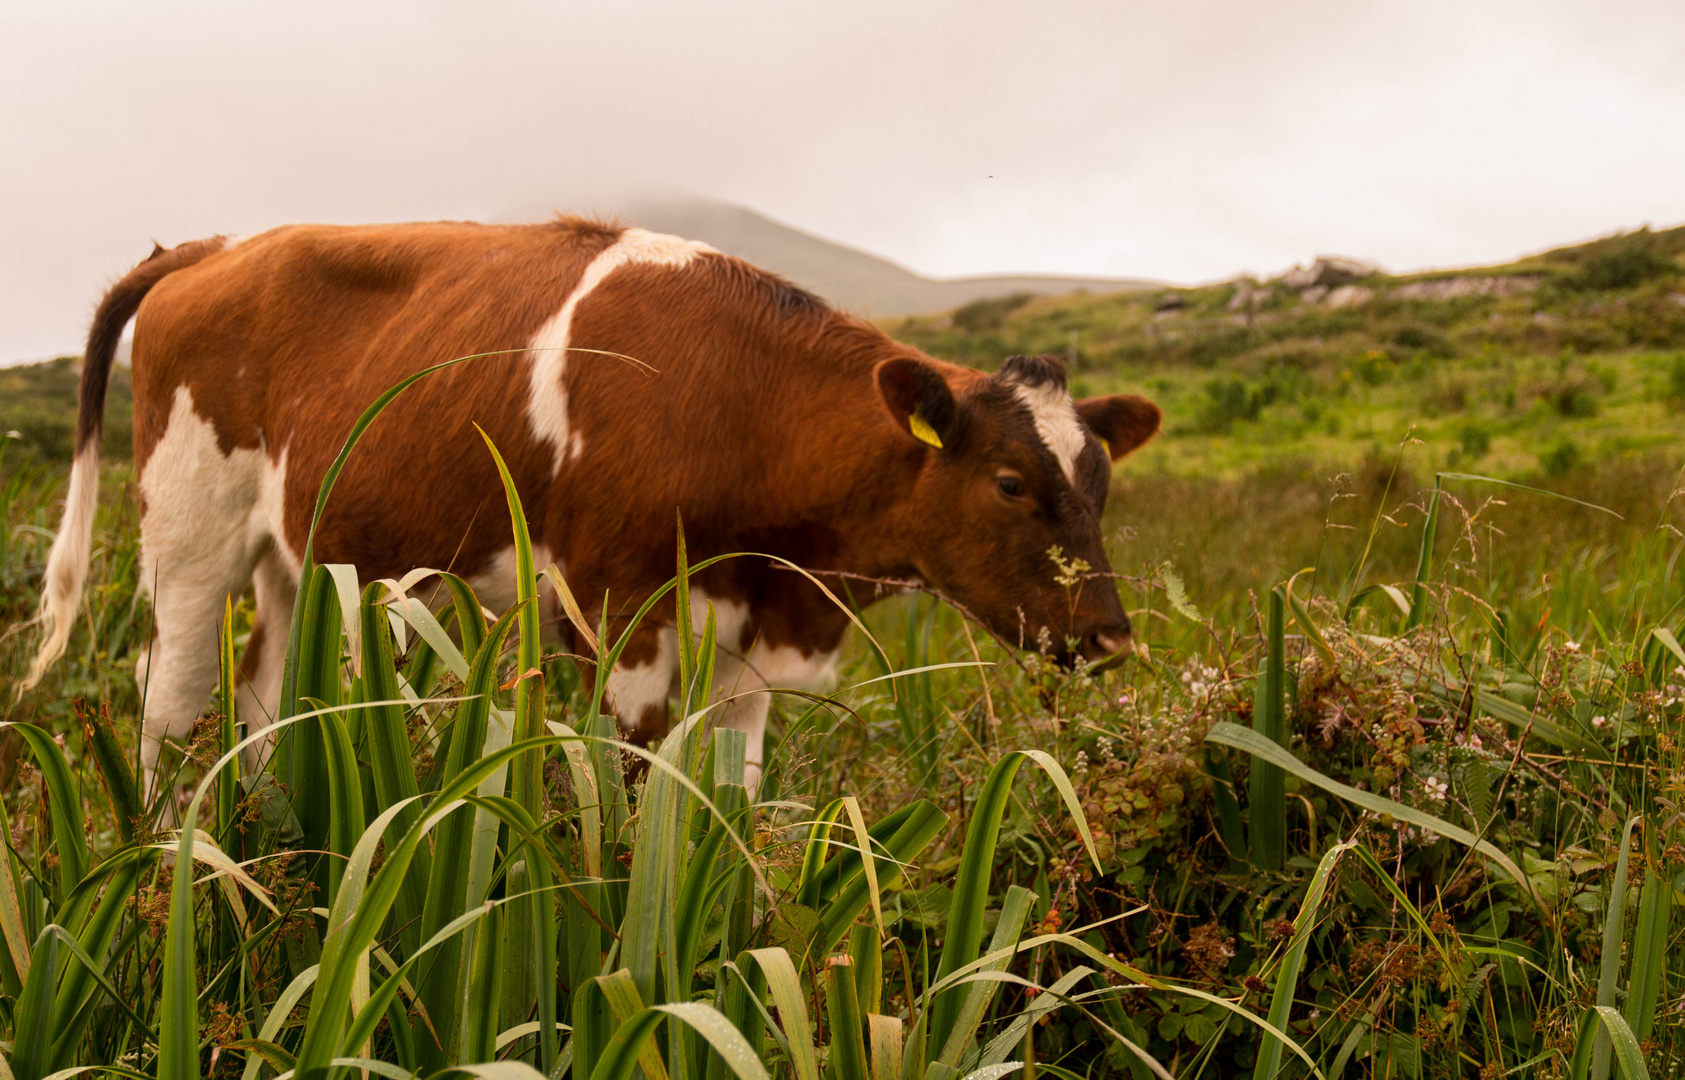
<point>1011,486</point>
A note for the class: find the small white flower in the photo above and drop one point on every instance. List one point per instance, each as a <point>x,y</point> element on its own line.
<point>1209,674</point>
<point>1188,676</point>
<point>1196,688</point>
<point>1571,646</point>
<point>1599,721</point>
<point>1435,788</point>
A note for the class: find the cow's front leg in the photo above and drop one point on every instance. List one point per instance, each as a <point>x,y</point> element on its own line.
<point>639,686</point>
<point>743,690</point>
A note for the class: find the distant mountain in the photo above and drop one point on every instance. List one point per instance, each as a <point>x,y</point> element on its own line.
<point>850,279</point>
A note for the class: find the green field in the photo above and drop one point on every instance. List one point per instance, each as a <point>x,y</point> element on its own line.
<point>1394,790</point>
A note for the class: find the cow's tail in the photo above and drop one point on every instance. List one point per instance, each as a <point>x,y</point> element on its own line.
<point>67,562</point>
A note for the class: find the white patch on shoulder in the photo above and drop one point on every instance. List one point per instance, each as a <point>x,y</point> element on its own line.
<point>547,405</point>
<point>1057,422</point>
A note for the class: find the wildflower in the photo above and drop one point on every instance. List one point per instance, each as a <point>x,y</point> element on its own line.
<point>1571,646</point>
<point>1435,788</point>
<point>1196,688</point>
<point>1599,721</point>
<point>1209,674</point>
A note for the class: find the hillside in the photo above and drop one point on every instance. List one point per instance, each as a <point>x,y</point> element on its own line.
<point>1528,367</point>
<point>851,279</point>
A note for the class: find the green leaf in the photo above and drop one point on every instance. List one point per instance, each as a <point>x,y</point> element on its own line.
<point>1177,594</point>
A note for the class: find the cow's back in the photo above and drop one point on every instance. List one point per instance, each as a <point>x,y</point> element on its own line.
<point>683,372</point>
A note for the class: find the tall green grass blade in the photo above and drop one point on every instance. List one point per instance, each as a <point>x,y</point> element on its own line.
<point>1604,1022</point>
<point>886,1033</point>
<point>1614,930</point>
<point>847,1050</point>
<point>1268,801</point>
<point>1523,487</point>
<point>1649,949</point>
<point>480,1007</point>
<point>391,762</point>
<point>300,758</point>
<point>64,797</point>
<point>626,1044</point>
<point>228,780</point>
<point>866,952</point>
<point>1229,826</point>
<point>107,750</point>
<point>12,929</point>
<point>1227,734</point>
<point>785,988</point>
<point>843,891</point>
<point>1014,911</point>
<point>1268,1065</point>
<point>682,619</point>
<point>32,1044</point>
<point>531,922</point>
<point>345,799</point>
<point>1424,563</point>
<point>178,1026</point>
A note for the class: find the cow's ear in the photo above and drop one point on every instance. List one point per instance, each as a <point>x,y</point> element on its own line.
<point>1121,422</point>
<point>919,398</point>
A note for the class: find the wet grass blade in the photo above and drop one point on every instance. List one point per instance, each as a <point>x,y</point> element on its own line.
<point>621,1054</point>
<point>1603,1022</point>
<point>1227,734</point>
<point>1287,975</point>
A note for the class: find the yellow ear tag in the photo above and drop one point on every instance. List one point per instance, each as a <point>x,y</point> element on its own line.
<point>1106,446</point>
<point>923,432</point>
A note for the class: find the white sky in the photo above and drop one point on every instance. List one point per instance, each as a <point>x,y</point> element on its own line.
<point>1183,140</point>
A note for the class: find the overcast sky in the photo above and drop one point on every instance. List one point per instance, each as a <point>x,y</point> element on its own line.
<point>1182,140</point>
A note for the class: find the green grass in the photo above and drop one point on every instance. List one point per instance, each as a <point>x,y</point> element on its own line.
<point>1306,830</point>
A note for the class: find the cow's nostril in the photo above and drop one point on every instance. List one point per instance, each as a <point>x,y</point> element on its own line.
<point>1107,643</point>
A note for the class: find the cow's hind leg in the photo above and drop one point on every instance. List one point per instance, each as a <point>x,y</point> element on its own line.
<point>259,696</point>
<point>197,549</point>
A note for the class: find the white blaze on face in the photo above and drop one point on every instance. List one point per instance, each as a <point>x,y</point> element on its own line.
<point>1057,422</point>
<point>547,407</point>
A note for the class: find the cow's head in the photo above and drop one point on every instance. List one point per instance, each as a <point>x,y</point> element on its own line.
<point>1013,469</point>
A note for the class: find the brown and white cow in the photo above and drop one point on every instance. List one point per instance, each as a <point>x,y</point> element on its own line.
<point>769,421</point>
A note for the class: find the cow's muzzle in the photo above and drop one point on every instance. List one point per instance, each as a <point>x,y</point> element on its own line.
<point>1106,646</point>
